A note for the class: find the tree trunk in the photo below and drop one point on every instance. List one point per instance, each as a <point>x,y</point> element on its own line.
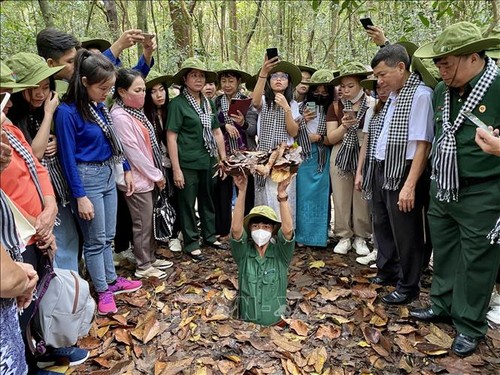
<point>181,25</point>
<point>141,8</point>
<point>112,17</point>
<point>153,18</point>
<point>233,30</point>
<point>47,15</point>
<point>252,29</point>
<point>222,29</point>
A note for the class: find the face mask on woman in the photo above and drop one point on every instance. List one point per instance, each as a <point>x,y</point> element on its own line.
<point>261,236</point>
<point>134,100</point>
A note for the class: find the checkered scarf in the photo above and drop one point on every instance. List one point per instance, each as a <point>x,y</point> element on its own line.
<point>272,131</point>
<point>28,159</point>
<point>347,157</point>
<point>494,235</point>
<point>205,115</point>
<point>106,125</point>
<point>139,115</point>
<point>10,239</point>
<point>303,137</point>
<point>444,163</point>
<point>224,106</point>
<point>374,128</point>
<point>53,165</point>
<point>397,139</point>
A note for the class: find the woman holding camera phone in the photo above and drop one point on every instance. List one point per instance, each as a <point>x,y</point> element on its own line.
<point>344,124</point>
<point>273,98</point>
<point>313,178</point>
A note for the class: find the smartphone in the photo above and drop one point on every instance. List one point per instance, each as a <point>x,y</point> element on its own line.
<point>311,106</point>
<point>366,21</point>
<point>476,121</point>
<point>4,99</point>
<point>148,35</point>
<point>271,53</point>
<point>350,114</point>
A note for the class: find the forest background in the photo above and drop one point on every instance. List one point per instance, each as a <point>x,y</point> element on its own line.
<point>318,33</point>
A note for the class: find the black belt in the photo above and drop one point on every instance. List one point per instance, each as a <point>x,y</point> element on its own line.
<point>470,181</point>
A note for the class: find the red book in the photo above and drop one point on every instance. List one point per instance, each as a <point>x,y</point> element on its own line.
<point>241,105</point>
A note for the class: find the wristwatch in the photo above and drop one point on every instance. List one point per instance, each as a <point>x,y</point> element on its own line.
<point>282,199</point>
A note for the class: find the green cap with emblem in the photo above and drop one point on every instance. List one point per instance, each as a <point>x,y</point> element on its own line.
<point>190,64</point>
<point>8,79</point>
<point>232,66</point>
<point>461,38</point>
<point>31,69</point>
<point>351,69</point>
<point>292,70</point>
<point>321,77</point>
<point>263,211</point>
<point>155,78</point>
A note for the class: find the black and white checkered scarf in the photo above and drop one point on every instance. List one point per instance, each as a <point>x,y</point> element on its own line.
<point>10,238</point>
<point>224,106</point>
<point>205,113</point>
<point>139,115</point>
<point>347,157</point>
<point>106,125</point>
<point>374,128</point>
<point>29,160</point>
<point>444,163</point>
<point>54,167</point>
<point>494,235</point>
<point>272,132</point>
<point>303,136</point>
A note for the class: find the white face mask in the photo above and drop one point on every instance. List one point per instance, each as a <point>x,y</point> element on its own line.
<point>261,236</point>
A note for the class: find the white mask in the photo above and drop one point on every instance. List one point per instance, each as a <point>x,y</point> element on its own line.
<point>261,236</point>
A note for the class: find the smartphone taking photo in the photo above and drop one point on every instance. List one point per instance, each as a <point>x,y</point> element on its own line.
<point>350,114</point>
<point>271,53</point>
<point>311,106</point>
<point>148,35</point>
<point>366,21</point>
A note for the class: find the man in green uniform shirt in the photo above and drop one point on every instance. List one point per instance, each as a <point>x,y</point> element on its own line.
<point>465,192</point>
<point>262,258</point>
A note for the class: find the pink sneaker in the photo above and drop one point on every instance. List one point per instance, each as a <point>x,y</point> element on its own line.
<point>123,285</point>
<point>106,303</point>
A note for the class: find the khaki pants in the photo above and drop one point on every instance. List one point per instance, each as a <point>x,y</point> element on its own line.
<point>140,206</point>
<point>351,212</point>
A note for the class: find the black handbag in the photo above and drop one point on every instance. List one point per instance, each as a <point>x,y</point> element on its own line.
<point>163,217</point>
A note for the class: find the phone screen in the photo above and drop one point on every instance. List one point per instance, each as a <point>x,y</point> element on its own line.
<point>148,35</point>
<point>271,53</point>
<point>4,99</point>
<point>311,106</point>
<point>366,22</point>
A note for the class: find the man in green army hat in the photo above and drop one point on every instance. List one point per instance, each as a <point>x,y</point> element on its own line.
<point>466,183</point>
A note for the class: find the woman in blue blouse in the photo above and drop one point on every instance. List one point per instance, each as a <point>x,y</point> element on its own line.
<point>89,150</point>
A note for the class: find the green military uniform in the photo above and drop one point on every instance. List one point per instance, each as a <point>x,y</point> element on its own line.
<point>262,281</point>
<point>196,165</point>
<point>465,263</point>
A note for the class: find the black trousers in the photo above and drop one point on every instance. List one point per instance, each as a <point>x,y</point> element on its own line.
<point>399,235</point>
<point>123,235</point>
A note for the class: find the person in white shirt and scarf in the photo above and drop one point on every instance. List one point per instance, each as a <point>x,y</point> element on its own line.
<point>465,189</point>
<point>194,141</point>
<point>313,177</point>
<point>277,123</point>
<point>344,123</point>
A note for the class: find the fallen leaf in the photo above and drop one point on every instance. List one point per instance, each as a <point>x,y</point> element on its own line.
<point>89,343</point>
<point>305,307</point>
<point>317,264</point>
<point>190,299</point>
<point>283,343</point>
<point>364,344</point>
<point>430,349</point>
<point>334,293</point>
<point>405,345</point>
<point>328,331</point>
<point>371,334</point>
<point>439,337</point>
<point>123,335</point>
<point>317,358</point>
<point>298,326</point>
<point>173,368</point>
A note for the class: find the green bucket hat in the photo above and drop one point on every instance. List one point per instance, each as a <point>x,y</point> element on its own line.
<point>308,69</point>
<point>428,71</point>
<point>101,44</point>
<point>321,77</point>
<point>461,38</point>
<point>193,63</point>
<point>369,84</point>
<point>409,47</point>
<point>251,82</point>
<point>264,211</point>
<point>350,69</point>
<point>292,70</point>
<point>8,79</point>
<point>494,52</point>
<point>30,69</point>
<point>233,66</point>
<point>155,77</point>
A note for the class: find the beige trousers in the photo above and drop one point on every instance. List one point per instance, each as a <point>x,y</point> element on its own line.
<point>351,212</point>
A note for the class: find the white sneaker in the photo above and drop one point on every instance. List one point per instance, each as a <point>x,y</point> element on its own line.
<point>494,315</point>
<point>162,264</point>
<point>175,245</point>
<point>127,254</point>
<point>359,245</point>
<point>367,259</point>
<point>495,299</point>
<point>150,272</point>
<point>343,246</point>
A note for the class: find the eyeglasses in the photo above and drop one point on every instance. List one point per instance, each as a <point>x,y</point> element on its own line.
<point>279,76</point>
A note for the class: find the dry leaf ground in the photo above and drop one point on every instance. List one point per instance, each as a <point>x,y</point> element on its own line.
<point>336,325</point>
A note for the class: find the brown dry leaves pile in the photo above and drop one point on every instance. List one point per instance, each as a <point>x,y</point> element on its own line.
<point>336,325</point>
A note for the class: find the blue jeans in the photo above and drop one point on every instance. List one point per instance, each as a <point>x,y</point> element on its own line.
<point>98,233</point>
<point>66,239</point>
